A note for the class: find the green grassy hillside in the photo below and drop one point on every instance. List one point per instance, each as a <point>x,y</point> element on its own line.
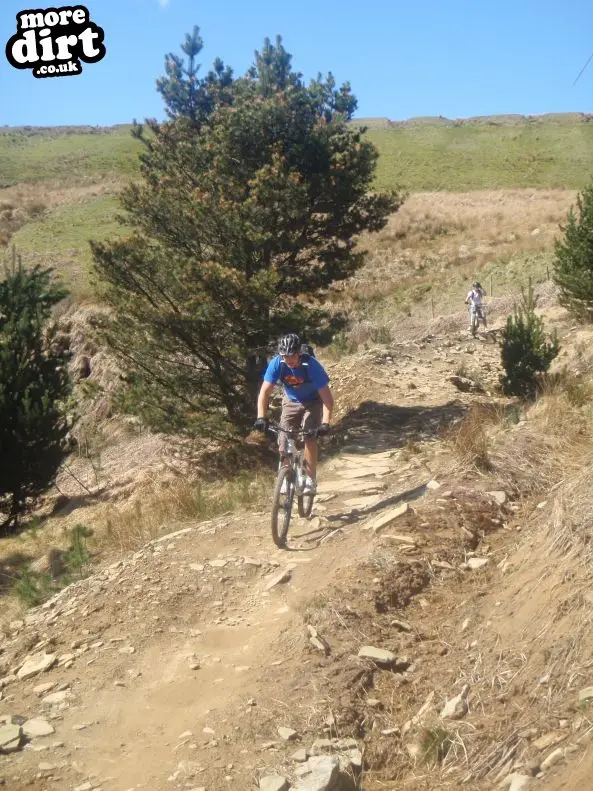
<point>61,238</point>
<point>421,154</point>
<point>32,155</point>
<point>58,185</point>
<point>477,156</point>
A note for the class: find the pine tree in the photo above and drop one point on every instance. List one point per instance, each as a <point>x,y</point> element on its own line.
<point>33,386</point>
<point>526,351</point>
<point>185,94</point>
<point>573,263</point>
<point>250,200</point>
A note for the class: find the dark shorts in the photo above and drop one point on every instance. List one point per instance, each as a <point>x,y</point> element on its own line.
<point>297,414</point>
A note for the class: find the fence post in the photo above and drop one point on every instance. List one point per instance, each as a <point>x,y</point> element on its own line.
<point>432,307</point>
<point>490,292</point>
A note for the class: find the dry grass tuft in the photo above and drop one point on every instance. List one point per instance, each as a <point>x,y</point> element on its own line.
<point>570,529</point>
<point>162,509</point>
<point>435,744</point>
<point>469,438</point>
<point>530,449</point>
<point>548,447</point>
<point>575,386</point>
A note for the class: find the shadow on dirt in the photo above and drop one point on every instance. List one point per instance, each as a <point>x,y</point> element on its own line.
<point>310,539</point>
<point>371,427</point>
<point>66,504</point>
<point>353,515</point>
<point>374,426</point>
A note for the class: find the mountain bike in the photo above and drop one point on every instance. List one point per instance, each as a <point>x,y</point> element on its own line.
<point>476,315</point>
<point>292,471</point>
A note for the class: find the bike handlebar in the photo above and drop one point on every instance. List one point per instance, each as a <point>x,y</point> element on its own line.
<point>274,429</point>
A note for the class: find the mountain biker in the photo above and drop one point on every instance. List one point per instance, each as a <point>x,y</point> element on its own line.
<point>307,401</point>
<point>474,300</point>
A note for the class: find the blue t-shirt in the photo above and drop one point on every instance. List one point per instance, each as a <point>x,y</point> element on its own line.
<point>298,386</point>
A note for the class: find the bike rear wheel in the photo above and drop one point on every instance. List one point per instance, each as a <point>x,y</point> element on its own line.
<point>282,506</point>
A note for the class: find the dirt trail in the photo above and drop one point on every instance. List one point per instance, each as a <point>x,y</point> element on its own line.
<point>169,658</point>
<point>233,650</point>
<point>199,595</point>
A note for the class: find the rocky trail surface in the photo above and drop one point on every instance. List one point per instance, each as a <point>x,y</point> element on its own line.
<point>209,659</point>
<point>122,676</point>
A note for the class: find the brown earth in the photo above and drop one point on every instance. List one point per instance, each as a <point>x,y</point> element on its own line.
<point>181,660</point>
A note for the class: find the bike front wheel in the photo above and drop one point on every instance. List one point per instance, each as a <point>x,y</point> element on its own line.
<point>282,506</point>
<point>305,503</point>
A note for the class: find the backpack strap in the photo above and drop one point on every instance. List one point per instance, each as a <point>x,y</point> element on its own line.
<point>305,365</point>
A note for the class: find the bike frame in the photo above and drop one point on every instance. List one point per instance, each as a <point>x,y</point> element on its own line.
<point>290,475</point>
<point>476,315</point>
<point>295,441</point>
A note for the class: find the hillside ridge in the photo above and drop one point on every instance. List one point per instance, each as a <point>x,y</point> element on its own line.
<point>501,119</point>
<point>496,119</point>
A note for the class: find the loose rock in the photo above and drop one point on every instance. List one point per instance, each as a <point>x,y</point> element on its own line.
<point>466,385</point>
<point>320,746</point>
<point>380,656</point>
<point>549,739</point>
<point>278,579</point>
<point>37,727</point>
<point>553,758</point>
<point>288,734</point>
<point>274,783</point>
<point>322,772</point>
<point>403,626</point>
<point>457,707</point>
<point>38,663</point>
<point>475,563</point>
<point>41,689</point>
<point>386,519</point>
<point>11,737</point>
<point>518,782</point>
<point>57,697</point>
<point>317,641</point>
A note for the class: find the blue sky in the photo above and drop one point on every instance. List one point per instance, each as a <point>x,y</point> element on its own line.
<point>404,58</point>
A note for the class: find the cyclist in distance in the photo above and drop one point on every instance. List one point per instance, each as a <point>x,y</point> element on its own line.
<point>307,400</point>
<point>474,299</point>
